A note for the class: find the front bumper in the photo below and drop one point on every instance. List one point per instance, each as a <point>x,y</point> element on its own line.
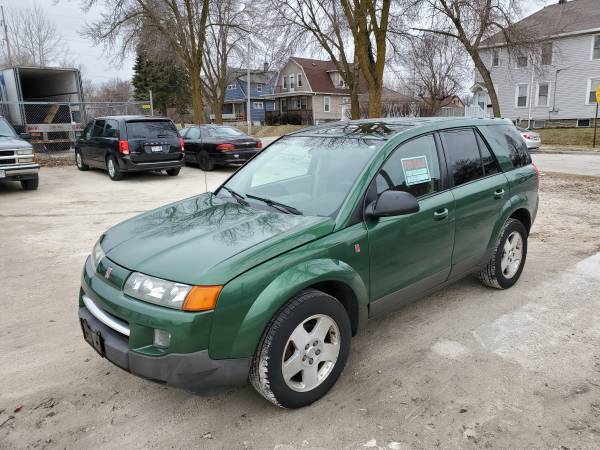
<point>191,371</point>
<point>17,172</point>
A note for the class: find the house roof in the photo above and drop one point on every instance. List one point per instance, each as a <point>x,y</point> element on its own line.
<point>571,17</point>
<point>316,71</point>
<point>259,77</point>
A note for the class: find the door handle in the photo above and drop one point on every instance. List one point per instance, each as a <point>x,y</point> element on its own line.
<point>499,193</point>
<point>440,214</point>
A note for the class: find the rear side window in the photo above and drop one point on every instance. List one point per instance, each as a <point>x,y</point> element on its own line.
<point>151,129</point>
<point>414,167</point>
<point>112,129</point>
<point>193,133</point>
<point>510,140</point>
<point>490,166</point>
<point>462,154</point>
<point>98,128</point>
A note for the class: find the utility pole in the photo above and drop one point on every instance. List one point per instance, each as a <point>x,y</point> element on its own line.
<point>6,36</point>
<point>151,103</point>
<point>248,91</point>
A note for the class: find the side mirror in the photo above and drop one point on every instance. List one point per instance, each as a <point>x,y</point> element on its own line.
<point>25,136</point>
<point>393,203</point>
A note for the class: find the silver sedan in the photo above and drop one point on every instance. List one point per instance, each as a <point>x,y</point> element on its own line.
<point>532,139</point>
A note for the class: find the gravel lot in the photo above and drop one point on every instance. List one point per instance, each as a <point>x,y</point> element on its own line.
<point>467,367</point>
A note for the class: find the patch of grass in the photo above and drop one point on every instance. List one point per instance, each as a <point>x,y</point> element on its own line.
<point>271,130</point>
<point>577,137</point>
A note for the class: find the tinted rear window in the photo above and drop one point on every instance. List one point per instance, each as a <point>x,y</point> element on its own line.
<point>462,154</point>
<point>151,129</point>
<point>509,138</point>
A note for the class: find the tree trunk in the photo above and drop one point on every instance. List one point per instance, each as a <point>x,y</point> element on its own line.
<point>217,108</point>
<point>197,100</point>
<point>487,79</point>
<point>375,100</point>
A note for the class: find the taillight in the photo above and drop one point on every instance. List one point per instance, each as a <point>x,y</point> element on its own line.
<point>124,147</point>
<point>225,147</point>
<point>182,144</point>
<point>528,136</point>
<point>258,144</point>
<point>537,176</point>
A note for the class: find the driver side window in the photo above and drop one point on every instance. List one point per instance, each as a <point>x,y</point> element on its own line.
<point>87,133</point>
<point>414,167</point>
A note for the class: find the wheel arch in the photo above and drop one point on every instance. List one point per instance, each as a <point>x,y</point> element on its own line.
<point>523,216</point>
<point>333,277</point>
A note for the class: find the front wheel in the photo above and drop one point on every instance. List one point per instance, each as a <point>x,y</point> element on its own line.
<point>303,350</point>
<point>173,172</point>
<point>30,184</point>
<point>508,258</point>
<point>81,165</point>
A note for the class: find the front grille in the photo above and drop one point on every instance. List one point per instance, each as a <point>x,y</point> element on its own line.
<point>8,161</point>
<point>7,152</point>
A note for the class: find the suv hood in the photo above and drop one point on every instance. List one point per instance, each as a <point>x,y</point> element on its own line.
<point>207,240</point>
<point>11,143</point>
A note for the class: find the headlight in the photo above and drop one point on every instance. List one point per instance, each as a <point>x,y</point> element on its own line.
<point>97,255</point>
<point>25,151</point>
<point>172,295</point>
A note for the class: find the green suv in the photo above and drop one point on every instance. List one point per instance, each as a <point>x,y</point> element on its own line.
<point>270,276</point>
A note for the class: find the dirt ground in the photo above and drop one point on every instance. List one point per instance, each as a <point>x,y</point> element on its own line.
<point>468,367</point>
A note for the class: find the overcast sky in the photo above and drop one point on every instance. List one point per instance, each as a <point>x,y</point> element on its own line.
<point>69,18</point>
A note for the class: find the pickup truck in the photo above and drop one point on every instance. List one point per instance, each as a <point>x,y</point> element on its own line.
<point>16,158</point>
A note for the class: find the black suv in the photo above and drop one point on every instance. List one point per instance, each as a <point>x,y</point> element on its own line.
<point>123,144</point>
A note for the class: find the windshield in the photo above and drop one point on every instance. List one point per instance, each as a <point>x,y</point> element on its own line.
<point>5,129</point>
<point>218,132</point>
<point>151,129</point>
<point>311,174</point>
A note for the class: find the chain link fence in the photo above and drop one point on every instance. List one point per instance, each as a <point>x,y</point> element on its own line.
<point>54,127</point>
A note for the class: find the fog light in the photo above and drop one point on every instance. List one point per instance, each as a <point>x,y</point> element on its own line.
<point>162,338</point>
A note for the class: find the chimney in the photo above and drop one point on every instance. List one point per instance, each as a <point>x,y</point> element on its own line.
<point>265,66</point>
<point>562,2</point>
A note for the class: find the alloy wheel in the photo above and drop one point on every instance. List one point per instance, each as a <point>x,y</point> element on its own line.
<point>512,254</point>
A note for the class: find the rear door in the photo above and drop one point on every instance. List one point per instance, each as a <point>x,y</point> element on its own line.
<point>411,253</point>
<point>480,191</point>
<point>110,139</point>
<point>152,140</point>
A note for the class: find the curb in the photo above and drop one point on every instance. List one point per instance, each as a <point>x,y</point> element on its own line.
<point>565,152</point>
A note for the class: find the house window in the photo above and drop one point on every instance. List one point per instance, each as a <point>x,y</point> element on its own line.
<point>346,99</point>
<point>327,103</point>
<point>230,87</point>
<point>495,58</point>
<point>543,91</point>
<point>303,103</point>
<point>341,82</point>
<point>259,87</point>
<point>521,61</point>
<point>258,105</point>
<point>522,90</point>
<point>285,84</point>
<point>584,123</point>
<point>596,47</point>
<point>299,78</point>
<point>292,81</point>
<point>547,53</point>
<point>539,123</point>
<point>593,84</point>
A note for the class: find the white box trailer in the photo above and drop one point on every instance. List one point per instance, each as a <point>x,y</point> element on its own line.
<point>45,102</point>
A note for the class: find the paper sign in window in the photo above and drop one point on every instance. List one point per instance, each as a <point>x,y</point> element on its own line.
<point>416,170</point>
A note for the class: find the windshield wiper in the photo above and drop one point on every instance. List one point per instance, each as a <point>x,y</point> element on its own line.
<point>280,206</point>
<point>239,197</point>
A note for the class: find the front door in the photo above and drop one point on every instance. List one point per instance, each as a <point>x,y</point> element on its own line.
<point>480,192</point>
<point>95,148</point>
<point>412,253</point>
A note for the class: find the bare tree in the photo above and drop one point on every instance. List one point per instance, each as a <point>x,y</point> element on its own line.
<point>182,23</point>
<point>115,90</point>
<point>436,69</point>
<point>323,24</point>
<point>34,40</point>
<point>470,22</point>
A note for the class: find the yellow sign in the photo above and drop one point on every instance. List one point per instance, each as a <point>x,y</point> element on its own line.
<point>598,95</point>
<point>148,106</point>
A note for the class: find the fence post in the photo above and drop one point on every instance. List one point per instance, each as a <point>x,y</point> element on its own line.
<point>151,104</point>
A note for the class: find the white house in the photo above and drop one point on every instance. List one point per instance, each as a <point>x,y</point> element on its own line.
<point>558,89</point>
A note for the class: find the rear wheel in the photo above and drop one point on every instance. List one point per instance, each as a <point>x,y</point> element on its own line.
<point>173,172</point>
<point>112,167</point>
<point>204,161</point>
<point>81,165</point>
<point>303,350</point>
<point>508,258</point>
<point>31,184</point>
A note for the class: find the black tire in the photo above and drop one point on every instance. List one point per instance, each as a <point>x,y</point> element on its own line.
<point>266,372</point>
<point>173,172</point>
<point>30,184</point>
<point>116,174</point>
<point>492,274</point>
<point>79,162</point>
<point>205,162</point>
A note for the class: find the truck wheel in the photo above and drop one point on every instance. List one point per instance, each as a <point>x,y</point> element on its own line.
<point>205,162</point>
<point>112,166</point>
<point>79,161</point>
<point>303,350</point>
<point>30,184</point>
<point>508,258</point>
<point>173,172</point>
